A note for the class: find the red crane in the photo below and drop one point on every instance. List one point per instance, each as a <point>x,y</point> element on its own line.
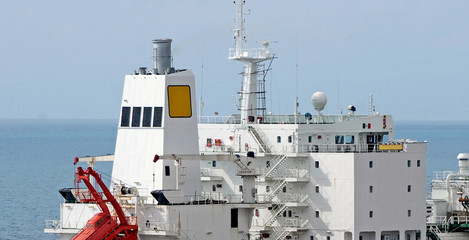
<point>102,225</point>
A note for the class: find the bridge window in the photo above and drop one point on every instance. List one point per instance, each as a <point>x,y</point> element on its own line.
<point>157,115</point>
<point>125,118</point>
<point>146,117</point>
<point>136,111</point>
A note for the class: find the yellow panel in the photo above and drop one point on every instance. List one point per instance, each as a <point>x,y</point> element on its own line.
<point>391,147</point>
<point>179,101</point>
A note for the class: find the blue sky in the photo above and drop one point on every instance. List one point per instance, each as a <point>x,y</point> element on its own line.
<point>67,59</point>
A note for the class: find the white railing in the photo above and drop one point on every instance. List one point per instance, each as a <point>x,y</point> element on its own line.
<point>262,53</point>
<point>295,173</point>
<point>209,172</point>
<point>292,197</point>
<point>58,224</point>
<point>334,148</point>
<point>208,197</point>
<point>219,120</point>
<point>441,175</point>
<point>283,119</point>
<point>170,228</point>
<point>290,222</point>
<point>256,171</point>
<point>458,219</point>
<point>53,224</point>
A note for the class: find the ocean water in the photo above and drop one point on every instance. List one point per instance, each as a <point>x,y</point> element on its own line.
<point>36,159</point>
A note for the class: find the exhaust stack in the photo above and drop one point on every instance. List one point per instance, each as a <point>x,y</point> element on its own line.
<point>162,56</point>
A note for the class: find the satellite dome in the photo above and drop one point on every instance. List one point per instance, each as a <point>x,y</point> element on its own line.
<point>319,101</point>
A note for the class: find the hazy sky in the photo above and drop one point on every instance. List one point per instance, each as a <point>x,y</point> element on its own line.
<point>67,59</point>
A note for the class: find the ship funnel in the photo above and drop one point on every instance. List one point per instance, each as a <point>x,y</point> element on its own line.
<point>463,163</point>
<point>162,56</point>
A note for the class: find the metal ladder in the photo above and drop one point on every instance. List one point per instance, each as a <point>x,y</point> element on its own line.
<point>258,139</point>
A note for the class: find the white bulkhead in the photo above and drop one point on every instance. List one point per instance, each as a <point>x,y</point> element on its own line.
<point>158,117</point>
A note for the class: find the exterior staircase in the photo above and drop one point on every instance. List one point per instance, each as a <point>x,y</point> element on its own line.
<point>271,219</point>
<point>277,186</point>
<point>255,134</point>
<point>279,233</point>
<point>274,166</point>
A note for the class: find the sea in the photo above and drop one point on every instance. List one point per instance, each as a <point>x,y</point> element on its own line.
<point>37,156</point>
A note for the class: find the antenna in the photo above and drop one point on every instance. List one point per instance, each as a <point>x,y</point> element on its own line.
<point>371,104</point>
<point>338,94</point>
<point>201,102</point>
<point>296,96</point>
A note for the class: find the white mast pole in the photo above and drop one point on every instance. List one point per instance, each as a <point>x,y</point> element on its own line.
<point>251,58</point>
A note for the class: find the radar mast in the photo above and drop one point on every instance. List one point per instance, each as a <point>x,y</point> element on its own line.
<point>251,59</point>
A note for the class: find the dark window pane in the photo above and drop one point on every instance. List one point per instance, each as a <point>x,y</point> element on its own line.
<point>125,119</point>
<point>146,117</point>
<point>339,139</point>
<point>166,171</point>
<point>157,114</point>
<point>234,218</point>
<point>136,111</point>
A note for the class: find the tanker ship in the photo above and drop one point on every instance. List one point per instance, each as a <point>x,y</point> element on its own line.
<point>249,175</point>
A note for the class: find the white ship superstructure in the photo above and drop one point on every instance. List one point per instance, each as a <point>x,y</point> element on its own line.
<point>448,204</point>
<point>253,175</point>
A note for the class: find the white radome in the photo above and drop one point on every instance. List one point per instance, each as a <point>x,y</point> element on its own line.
<point>319,100</point>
